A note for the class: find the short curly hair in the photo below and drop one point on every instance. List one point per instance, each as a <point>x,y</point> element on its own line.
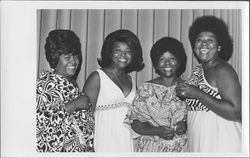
<point>131,40</point>
<point>172,45</point>
<point>218,27</point>
<point>61,42</point>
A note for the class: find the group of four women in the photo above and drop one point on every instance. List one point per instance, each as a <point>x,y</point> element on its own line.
<point>165,114</point>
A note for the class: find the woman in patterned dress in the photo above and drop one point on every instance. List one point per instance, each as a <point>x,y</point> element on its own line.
<point>213,92</point>
<point>158,116</point>
<point>111,90</point>
<point>63,121</point>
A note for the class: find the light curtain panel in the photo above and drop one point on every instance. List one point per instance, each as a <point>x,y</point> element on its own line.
<point>149,25</point>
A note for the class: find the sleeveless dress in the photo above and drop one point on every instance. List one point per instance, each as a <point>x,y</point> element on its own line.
<point>207,131</point>
<point>111,134</point>
<point>159,106</point>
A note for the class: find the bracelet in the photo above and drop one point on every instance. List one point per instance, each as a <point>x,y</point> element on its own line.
<point>89,102</point>
<point>174,127</point>
<point>81,93</point>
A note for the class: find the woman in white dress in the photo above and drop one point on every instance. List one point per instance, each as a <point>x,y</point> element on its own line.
<point>213,92</point>
<point>111,90</point>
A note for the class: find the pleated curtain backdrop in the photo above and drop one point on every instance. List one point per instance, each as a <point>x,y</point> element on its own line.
<point>149,25</point>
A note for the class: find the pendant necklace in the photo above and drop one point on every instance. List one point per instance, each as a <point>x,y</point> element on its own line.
<point>117,79</point>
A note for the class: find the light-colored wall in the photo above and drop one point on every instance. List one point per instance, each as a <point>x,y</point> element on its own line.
<point>92,26</point>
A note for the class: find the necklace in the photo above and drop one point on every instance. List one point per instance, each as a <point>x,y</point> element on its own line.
<point>211,64</point>
<point>116,78</point>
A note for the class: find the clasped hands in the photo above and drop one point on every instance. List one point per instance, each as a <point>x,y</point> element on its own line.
<point>167,133</point>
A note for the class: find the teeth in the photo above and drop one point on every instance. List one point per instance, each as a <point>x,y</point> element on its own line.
<point>204,50</point>
<point>168,69</point>
<point>71,67</point>
<point>122,60</point>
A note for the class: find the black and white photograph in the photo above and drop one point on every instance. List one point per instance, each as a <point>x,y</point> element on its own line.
<point>125,79</point>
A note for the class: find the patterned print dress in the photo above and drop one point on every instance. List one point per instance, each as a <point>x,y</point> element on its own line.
<point>158,105</point>
<point>207,131</point>
<point>56,130</point>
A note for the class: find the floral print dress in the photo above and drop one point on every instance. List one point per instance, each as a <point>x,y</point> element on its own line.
<point>56,130</point>
<point>158,105</point>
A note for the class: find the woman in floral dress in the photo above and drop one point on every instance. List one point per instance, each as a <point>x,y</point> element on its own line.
<point>158,116</point>
<point>63,121</point>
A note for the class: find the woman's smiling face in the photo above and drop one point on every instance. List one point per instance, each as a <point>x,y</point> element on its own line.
<point>206,46</point>
<point>67,65</point>
<point>168,64</point>
<point>121,55</point>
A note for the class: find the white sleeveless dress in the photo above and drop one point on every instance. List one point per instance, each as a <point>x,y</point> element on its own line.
<point>207,131</point>
<point>111,134</point>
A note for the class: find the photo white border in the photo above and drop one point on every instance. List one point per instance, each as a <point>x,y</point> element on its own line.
<point>19,51</point>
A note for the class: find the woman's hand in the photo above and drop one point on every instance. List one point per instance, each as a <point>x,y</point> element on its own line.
<point>187,91</point>
<point>79,103</point>
<point>165,132</point>
<point>83,102</point>
<point>181,127</point>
